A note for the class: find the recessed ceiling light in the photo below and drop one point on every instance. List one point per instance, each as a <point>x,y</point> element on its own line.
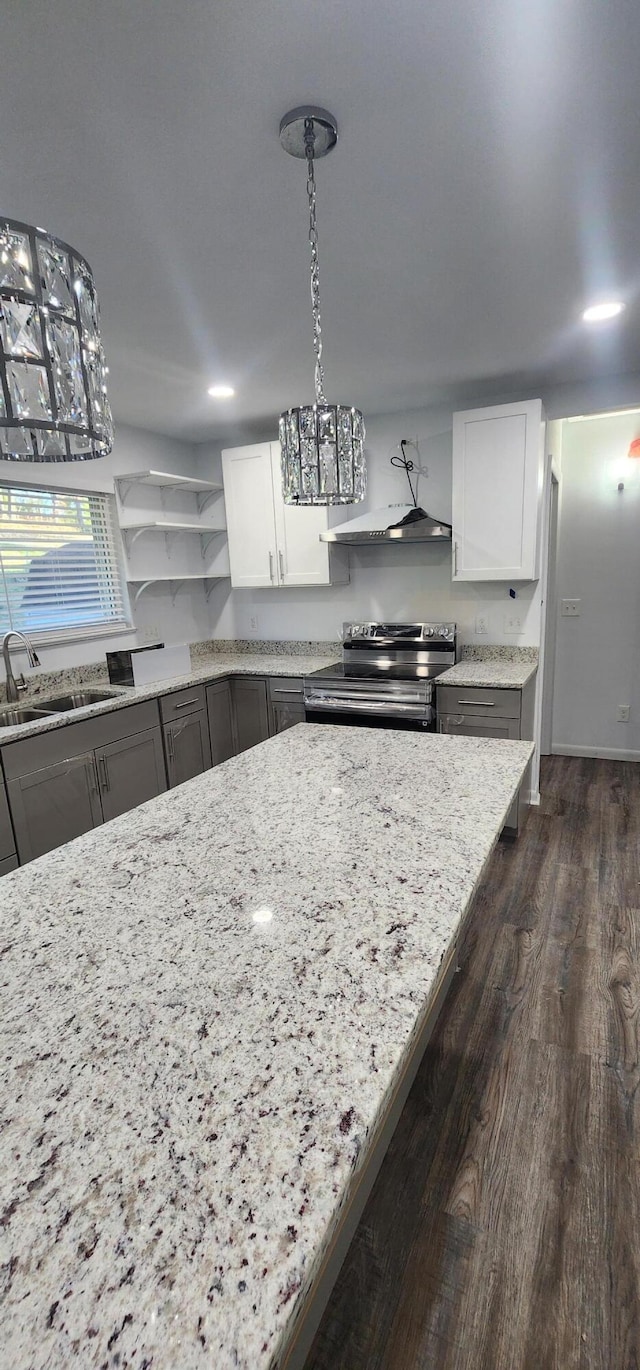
<point>607,309</point>
<point>221,392</point>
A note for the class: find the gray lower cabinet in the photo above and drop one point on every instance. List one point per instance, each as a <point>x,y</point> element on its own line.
<point>470,711</point>
<point>10,863</point>
<point>63,782</point>
<point>7,839</point>
<point>130,771</point>
<point>462,725</point>
<point>220,715</point>
<point>286,702</point>
<point>187,747</point>
<point>52,806</point>
<point>286,716</point>
<point>251,712</point>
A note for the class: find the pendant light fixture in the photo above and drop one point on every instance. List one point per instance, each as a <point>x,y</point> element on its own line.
<point>53,395</point>
<point>322,444</point>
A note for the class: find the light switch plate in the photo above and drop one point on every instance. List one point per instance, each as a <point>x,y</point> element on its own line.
<point>570,608</point>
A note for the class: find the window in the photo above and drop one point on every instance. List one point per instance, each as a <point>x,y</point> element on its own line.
<point>60,562</point>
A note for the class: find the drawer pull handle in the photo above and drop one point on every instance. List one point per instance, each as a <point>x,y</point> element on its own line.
<point>278,689</point>
<point>483,703</point>
<point>185,703</point>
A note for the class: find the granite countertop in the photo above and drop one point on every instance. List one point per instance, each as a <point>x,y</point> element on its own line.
<point>189,1084</point>
<point>498,673</point>
<point>208,668</point>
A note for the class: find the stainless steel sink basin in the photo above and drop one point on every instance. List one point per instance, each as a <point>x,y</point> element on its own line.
<point>79,700</point>
<point>9,717</point>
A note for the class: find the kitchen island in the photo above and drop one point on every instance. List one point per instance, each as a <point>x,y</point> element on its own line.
<point>208,1006</point>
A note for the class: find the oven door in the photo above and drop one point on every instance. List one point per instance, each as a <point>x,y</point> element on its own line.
<point>367,705</point>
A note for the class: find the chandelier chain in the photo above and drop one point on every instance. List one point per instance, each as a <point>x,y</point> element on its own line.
<point>309,141</point>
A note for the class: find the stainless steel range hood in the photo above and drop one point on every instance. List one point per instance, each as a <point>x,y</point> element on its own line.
<point>395,523</point>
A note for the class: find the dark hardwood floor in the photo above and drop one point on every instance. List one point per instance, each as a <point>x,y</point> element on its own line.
<point>503,1232</point>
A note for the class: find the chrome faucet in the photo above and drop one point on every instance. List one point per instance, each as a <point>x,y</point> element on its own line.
<point>14,686</point>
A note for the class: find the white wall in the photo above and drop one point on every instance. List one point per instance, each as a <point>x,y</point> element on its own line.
<point>597,663</point>
<point>155,615</point>
<point>410,582</point>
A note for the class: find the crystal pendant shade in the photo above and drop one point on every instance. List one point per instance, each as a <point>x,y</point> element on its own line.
<point>53,394</point>
<point>322,450</point>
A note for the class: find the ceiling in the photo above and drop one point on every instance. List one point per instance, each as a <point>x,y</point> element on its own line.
<point>484,188</point>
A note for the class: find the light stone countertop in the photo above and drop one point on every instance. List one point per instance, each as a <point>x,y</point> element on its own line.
<point>187,1092</point>
<point>497,674</point>
<point>210,668</point>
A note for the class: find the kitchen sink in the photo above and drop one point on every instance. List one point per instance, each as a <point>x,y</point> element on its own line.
<point>79,700</point>
<point>9,717</point>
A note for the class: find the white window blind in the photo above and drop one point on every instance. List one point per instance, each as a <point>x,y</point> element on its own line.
<point>60,561</point>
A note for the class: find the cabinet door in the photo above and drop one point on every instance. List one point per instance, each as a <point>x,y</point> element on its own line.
<point>498,465</point>
<point>251,532</point>
<point>52,806</point>
<point>457,725</point>
<point>286,716</point>
<point>7,842</point>
<point>220,712</point>
<point>251,713</point>
<point>130,771</point>
<point>302,558</point>
<point>188,747</point>
<point>463,725</point>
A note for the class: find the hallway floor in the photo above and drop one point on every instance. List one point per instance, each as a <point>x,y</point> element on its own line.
<point>503,1231</point>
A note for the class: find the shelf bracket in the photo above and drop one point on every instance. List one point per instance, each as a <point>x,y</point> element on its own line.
<point>134,534</point>
<point>208,538</point>
<point>203,500</point>
<point>141,588</point>
<point>124,488</point>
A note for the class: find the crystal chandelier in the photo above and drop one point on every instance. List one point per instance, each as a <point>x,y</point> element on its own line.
<point>53,395</point>
<point>322,444</point>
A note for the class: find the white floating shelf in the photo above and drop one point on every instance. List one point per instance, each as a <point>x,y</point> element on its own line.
<point>166,480</point>
<point>170,526</point>
<point>143,583</point>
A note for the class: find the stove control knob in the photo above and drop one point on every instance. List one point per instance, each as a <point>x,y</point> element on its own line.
<point>429,632</point>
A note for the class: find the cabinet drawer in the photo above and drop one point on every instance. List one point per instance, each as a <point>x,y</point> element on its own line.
<point>182,702</point>
<point>285,689</point>
<point>466,699</point>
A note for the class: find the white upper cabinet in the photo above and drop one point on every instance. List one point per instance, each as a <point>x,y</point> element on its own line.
<point>251,523</point>
<point>498,467</point>
<point>271,543</point>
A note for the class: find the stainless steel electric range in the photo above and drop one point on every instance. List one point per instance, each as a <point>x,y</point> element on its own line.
<point>386,676</point>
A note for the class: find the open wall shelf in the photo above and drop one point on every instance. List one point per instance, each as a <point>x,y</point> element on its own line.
<point>171,528</point>
<point>175,583</point>
<point>204,490</point>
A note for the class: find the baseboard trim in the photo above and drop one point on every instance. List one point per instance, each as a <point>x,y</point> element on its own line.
<point>606,753</point>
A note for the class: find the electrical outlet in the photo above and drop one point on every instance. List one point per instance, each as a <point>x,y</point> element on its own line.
<point>623,713</point>
<point>151,634</point>
<point>512,623</point>
<point>482,624</point>
<point>570,608</point>
<point>253,623</point>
